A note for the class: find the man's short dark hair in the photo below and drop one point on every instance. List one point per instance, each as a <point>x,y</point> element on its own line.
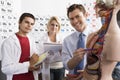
<point>76,6</point>
<point>26,15</point>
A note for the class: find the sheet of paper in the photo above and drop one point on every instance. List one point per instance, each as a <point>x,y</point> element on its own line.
<point>52,47</point>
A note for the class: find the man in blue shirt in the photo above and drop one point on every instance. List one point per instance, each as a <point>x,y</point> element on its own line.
<point>72,55</point>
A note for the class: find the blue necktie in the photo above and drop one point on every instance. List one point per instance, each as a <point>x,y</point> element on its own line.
<point>80,44</point>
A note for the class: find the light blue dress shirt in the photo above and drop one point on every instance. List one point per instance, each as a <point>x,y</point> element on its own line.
<point>70,45</point>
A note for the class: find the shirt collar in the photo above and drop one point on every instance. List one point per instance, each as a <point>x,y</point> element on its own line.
<point>85,32</point>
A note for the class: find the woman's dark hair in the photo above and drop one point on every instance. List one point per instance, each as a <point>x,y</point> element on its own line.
<point>26,15</point>
<point>76,6</point>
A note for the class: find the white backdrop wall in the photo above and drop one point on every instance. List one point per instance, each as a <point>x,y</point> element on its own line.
<point>9,12</point>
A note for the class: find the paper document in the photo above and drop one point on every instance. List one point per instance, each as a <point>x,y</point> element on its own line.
<point>52,47</point>
<point>42,57</point>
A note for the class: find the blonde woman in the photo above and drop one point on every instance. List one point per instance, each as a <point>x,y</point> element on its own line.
<point>53,36</point>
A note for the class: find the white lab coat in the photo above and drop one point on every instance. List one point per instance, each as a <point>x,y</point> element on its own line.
<point>11,52</point>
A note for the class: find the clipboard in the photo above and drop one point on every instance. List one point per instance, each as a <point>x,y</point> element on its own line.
<point>42,57</point>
